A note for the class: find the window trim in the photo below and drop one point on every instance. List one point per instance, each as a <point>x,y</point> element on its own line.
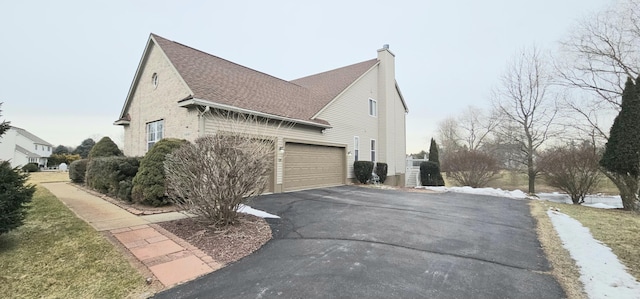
<point>154,80</point>
<point>156,133</point>
<point>373,145</point>
<point>373,107</point>
<point>356,147</point>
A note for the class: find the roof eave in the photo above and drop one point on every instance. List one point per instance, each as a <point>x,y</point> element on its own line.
<point>344,90</point>
<point>200,102</point>
<point>406,108</point>
<point>141,64</point>
<point>121,122</point>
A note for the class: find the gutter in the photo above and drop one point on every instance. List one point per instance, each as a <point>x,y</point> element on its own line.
<point>193,101</point>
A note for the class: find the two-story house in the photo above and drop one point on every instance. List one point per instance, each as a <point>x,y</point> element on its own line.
<point>333,118</point>
<point>20,147</point>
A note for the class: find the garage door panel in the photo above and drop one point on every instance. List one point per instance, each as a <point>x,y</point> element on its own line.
<point>309,166</point>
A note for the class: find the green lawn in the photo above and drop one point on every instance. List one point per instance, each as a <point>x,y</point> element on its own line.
<point>57,255</point>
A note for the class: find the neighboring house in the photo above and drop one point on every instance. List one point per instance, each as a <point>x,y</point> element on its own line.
<point>20,147</point>
<point>333,118</point>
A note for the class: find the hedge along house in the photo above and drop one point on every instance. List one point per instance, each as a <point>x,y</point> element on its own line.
<point>333,118</point>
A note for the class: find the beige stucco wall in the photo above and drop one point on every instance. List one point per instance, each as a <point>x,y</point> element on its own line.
<point>149,103</point>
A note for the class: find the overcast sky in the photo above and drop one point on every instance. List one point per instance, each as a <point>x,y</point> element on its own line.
<point>66,66</point>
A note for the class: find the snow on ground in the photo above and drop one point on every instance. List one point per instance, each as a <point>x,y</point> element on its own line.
<point>479,191</point>
<point>600,270</point>
<point>592,200</point>
<point>601,273</point>
<point>249,210</point>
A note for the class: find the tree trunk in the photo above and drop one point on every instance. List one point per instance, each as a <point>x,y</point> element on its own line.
<point>629,187</point>
<point>531,174</point>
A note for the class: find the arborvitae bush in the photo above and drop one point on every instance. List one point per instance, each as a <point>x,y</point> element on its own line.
<point>15,193</point>
<point>31,167</point>
<point>430,174</point>
<point>78,170</point>
<point>112,175</point>
<point>363,170</point>
<point>149,185</point>
<point>381,171</point>
<point>105,148</point>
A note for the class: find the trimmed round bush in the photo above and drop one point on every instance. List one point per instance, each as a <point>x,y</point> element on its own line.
<point>381,171</point>
<point>363,170</point>
<point>78,171</point>
<point>112,175</point>
<point>105,148</point>
<point>149,184</point>
<point>31,167</point>
<point>15,193</point>
<point>430,174</point>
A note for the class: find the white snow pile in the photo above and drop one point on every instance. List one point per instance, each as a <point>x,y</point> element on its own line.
<point>601,273</point>
<point>592,200</point>
<point>255,212</point>
<point>479,191</point>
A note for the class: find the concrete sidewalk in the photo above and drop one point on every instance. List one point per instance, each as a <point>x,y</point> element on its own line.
<point>170,259</point>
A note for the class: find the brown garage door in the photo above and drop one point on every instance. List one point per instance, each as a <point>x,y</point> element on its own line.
<point>309,166</point>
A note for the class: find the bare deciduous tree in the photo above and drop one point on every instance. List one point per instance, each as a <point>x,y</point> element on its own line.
<point>595,61</point>
<point>470,130</point>
<point>477,127</point>
<point>214,175</point>
<point>471,168</point>
<point>523,100</point>
<point>572,169</point>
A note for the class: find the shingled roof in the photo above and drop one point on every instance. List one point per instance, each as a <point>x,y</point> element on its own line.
<point>223,82</point>
<point>34,138</point>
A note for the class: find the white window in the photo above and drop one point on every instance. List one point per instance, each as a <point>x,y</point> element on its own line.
<point>373,150</point>
<point>154,132</point>
<point>373,107</point>
<point>356,147</point>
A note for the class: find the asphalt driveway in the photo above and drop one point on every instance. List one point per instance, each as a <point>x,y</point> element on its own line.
<point>368,243</point>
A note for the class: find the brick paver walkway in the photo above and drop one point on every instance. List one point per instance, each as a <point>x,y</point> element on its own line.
<point>170,259</point>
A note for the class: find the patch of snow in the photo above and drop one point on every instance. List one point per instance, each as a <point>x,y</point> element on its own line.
<point>601,273</point>
<point>591,200</point>
<point>480,191</point>
<point>249,210</point>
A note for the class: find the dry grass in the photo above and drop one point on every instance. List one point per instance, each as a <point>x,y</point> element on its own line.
<point>619,230</point>
<point>57,255</point>
<point>48,177</point>
<point>563,266</point>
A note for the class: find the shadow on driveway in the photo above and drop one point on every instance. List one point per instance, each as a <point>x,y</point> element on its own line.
<point>358,242</point>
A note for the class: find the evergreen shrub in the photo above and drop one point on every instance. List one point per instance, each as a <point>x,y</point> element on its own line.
<point>381,171</point>
<point>78,170</point>
<point>149,184</point>
<point>112,175</point>
<point>363,170</point>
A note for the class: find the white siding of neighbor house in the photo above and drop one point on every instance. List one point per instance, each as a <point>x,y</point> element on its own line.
<point>8,151</point>
<point>149,103</point>
<point>8,146</point>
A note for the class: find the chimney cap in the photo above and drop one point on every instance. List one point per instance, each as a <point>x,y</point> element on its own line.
<point>385,46</point>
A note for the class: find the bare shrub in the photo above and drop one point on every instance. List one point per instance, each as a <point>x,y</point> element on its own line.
<point>471,168</point>
<point>213,176</point>
<point>574,170</point>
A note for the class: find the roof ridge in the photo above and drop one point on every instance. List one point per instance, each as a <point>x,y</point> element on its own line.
<point>333,70</point>
<point>229,61</point>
